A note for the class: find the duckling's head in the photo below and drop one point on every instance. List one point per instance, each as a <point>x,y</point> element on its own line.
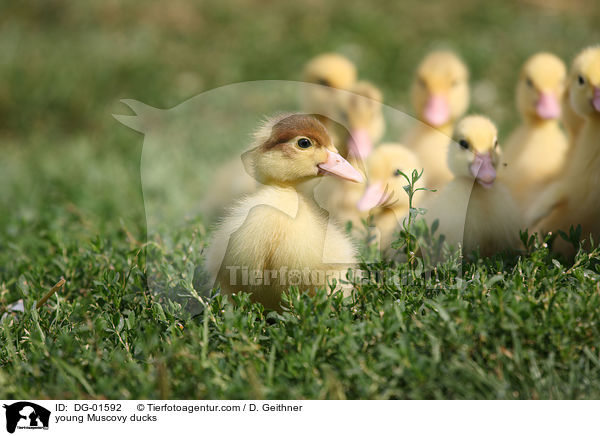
<point>584,86</point>
<point>474,151</point>
<point>440,91</point>
<point>292,148</point>
<point>330,69</point>
<point>362,110</point>
<point>386,184</point>
<point>541,86</point>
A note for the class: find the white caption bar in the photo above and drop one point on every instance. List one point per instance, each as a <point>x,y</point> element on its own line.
<point>25,417</point>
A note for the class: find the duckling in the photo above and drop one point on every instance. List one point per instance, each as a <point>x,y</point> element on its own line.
<point>574,200</point>
<point>571,121</point>
<point>535,152</point>
<point>333,72</point>
<point>363,114</point>
<point>384,196</point>
<point>481,216</point>
<point>278,232</point>
<point>330,70</point>
<point>362,110</point>
<point>440,94</point>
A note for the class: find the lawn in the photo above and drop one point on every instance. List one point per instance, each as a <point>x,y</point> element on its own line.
<point>72,208</point>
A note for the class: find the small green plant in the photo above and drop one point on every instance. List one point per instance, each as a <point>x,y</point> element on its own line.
<point>536,242</point>
<point>408,241</point>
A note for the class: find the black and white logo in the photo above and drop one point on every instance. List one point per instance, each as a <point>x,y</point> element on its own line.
<point>26,415</point>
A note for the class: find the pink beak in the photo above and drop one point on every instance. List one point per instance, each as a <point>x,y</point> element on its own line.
<point>596,99</point>
<point>547,106</point>
<point>360,144</point>
<point>336,165</point>
<point>437,111</point>
<point>483,170</point>
<point>374,196</point>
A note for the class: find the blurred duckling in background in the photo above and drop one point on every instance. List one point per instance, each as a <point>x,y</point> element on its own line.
<point>333,72</point>
<point>278,228</point>
<point>474,209</point>
<point>571,120</point>
<point>330,69</point>
<point>440,95</point>
<point>575,198</point>
<point>535,152</point>
<point>362,113</point>
<point>384,196</point>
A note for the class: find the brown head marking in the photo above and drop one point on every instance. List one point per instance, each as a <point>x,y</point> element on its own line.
<point>298,125</point>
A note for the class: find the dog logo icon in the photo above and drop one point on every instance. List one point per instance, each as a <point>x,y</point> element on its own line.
<point>26,415</point>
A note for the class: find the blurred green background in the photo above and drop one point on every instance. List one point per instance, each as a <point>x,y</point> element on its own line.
<point>64,65</point>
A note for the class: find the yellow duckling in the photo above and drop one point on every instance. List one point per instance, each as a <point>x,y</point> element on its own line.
<point>384,195</point>
<point>574,200</point>
<point>535,152</point>
<point>361,109</point>
<point>330,69</point>
<point>333,72</point>
<point>278,236</point>
<point>440,95</point>
<point>474,209</point>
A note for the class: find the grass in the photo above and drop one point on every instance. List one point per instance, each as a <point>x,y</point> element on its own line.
<point>72,207</point>
<point>524,330</point>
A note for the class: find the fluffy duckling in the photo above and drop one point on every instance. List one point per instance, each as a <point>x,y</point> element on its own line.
<point>278,233</point>
<point>482,215</point>
<point>333,72</point>
<point>384,195</point>
<point>440,95</point>
<point>362,111</point>
<point>535,152</point>
<point>574,200</point>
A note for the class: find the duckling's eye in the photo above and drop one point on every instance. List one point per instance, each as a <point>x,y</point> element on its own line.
<point>463,144</point>
<point>304,143</point>
<point>496,143</point>
<point>581,80</point>
<point>397,172</point>
<point>529,82</point>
